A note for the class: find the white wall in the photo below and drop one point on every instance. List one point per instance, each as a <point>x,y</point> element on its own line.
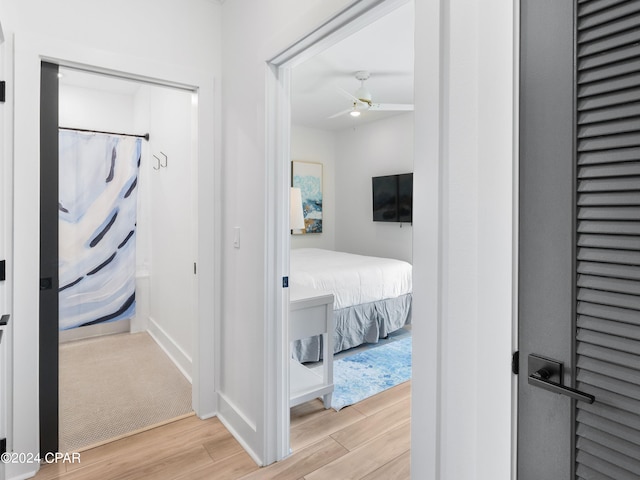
<point>88,108</point>
<point>384,147</point>
<point>172,208</point>
<point>319,146</point>
<point>163,39</point>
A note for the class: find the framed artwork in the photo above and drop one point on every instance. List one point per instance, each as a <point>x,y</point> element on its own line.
<point>307,176</point>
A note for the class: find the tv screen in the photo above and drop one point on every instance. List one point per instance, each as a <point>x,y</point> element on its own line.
<point>393,198</point>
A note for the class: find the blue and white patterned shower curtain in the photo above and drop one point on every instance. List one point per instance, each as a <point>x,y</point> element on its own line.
<point>97,221</point>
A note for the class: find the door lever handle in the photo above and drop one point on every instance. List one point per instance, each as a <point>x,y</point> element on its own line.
<point>540,379</point>
<point>544,372</point>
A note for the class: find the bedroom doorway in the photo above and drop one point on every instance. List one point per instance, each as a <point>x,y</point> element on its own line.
<point>114,368</point>
<point>316,144</point>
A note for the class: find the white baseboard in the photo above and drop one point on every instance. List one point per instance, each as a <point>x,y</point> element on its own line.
<point>106,328</point>
<point>178,356</point>
<point>232,418</point>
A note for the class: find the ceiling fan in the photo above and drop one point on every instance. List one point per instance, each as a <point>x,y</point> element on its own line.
<point>362,100</point>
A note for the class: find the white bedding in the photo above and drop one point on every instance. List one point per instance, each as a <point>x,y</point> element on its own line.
<point>353,279</point>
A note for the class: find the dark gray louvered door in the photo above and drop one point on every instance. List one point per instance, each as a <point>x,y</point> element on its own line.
<point>579,252</point>
<point>608,239</point>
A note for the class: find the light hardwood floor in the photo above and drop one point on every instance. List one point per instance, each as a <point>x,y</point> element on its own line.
<point>369,440</point>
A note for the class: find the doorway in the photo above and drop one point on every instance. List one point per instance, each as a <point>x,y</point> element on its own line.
<point>158,325</point>
<point>352,123</point>
<point>279,83</point>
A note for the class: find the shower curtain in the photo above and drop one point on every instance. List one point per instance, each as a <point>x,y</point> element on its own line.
<point>97,226</point>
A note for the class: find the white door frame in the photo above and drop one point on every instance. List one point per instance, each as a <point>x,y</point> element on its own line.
<point>29,52</point>
<point>278,72</point>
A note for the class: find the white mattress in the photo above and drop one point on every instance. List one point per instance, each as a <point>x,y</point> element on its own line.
<point>353,279</point>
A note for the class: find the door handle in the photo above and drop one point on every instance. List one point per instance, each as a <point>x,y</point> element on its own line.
<point>547,374</point>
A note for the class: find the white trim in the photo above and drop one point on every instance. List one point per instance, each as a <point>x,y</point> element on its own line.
<point>227,408</point>
<point>239,425</point>
<point>29,51</point>
<point>345,23</point>
<point>175,353</point>
<point>515,224</point>
<point>276,372</point>
<point>6,244</point>
<point>278,124</point>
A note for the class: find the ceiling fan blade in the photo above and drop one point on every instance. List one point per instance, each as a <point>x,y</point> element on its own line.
<point>343,112</point>
<point>391,107</point>
<point>350,97</point>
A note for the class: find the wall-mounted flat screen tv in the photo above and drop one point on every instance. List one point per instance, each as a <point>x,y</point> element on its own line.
<point>393,198</point>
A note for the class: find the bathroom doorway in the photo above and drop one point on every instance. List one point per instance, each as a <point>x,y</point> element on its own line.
<point>123,331</point>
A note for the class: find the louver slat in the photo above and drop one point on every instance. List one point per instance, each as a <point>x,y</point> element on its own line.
<point>607,341</point>
<point>612,56</point>
<point>606,30</point>
<point>606,270</point>
<point>623,242</point>
<point>627,330</point>
<point>610,156</point>
<point>612,371</point>
<point>607,362</point>
<point>592,6</point>
<point>612,10</point>
<point>609,313</point>
<point>609,256</point>
<point>603,438</point>
<point>598,226</point>
<point>607,413</point>
<point>610,170</point>
<point>585,473</point>
<point>623,111</point>
<point>622,184</point>
<point>609,199</point>
<point>628,466</point>
<point>628,37</point>
<point>609,298</point>
<point>613,141</point>
<point>607,426</point>
<point>609,128</point>
<point>610,213</point>
<point>615,285</point>
<point>611,85</point>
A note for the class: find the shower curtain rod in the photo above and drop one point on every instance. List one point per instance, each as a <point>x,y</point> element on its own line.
<point>145,136</point>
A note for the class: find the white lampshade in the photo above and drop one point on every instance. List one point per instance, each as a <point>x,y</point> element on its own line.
<point>296,218</point>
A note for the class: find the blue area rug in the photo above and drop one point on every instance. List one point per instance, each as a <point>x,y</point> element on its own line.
<point>371,371</point>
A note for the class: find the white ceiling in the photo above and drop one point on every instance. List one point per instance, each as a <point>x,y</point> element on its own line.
<point>384,48</point>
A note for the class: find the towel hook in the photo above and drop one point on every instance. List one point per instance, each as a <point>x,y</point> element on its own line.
<point>166,160</point>
<point>159,165</point>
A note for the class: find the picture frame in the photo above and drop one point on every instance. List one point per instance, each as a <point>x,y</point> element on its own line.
<point>307,176</point>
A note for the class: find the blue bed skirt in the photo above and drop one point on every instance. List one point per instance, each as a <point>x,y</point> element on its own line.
<point>356,325</point>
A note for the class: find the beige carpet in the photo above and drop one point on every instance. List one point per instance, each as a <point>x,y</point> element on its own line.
<point>114,385</point>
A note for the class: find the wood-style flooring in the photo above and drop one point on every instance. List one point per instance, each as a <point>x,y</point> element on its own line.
<point>369,440</point>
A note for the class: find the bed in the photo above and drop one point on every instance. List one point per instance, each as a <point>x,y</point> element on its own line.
<point>372,296</point>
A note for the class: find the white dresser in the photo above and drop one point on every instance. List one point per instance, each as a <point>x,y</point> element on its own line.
<point>311,313</point>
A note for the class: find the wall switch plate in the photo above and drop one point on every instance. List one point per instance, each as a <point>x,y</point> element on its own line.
<point>236,237</point>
